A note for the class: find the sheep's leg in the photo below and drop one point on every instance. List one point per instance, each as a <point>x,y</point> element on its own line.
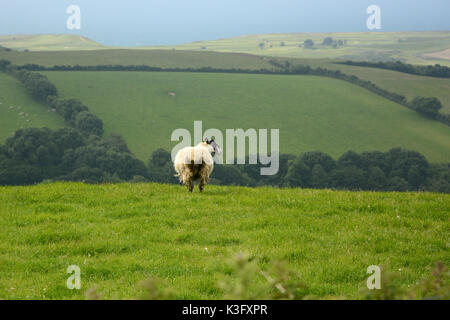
<point>201,185</point>
<point>204,177</point>
<point>191,184</point>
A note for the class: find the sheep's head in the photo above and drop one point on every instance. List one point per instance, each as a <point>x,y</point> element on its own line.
<point>213,147</point>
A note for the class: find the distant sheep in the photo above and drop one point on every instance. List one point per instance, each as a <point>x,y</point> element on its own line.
<point>196,163</point>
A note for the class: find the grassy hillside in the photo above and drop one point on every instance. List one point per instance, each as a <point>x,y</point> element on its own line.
<point>48,42</point>
<point>121,234</point>
<point>405,84</point>
<point>408,85</point>
<point>411,47</point>
<point>19,110</point>
<point>312,113</point>
<point>157,58</point>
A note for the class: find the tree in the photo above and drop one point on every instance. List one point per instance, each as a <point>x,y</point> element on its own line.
<point>160,167</point>
<point>89,123</point>
<point>397,184</point>
<point>309,44</point>
<point>113,141</point>
<point>4,64</point>
<point>160,158</point>
<point>318,157</point>
<point>427,106</point>
<point>416,176</point>
<point>328,41</point>
<point>376,179</point>
<point>370,159</point>
<point>350,158</point>
<point>230,175</point>
<point>68,108</point>
<point>298,175</point>
<point>319,178</point>
<point>349,178</point>
<point>88,175</point>
<point>402,160</point>
<point>278,179</point>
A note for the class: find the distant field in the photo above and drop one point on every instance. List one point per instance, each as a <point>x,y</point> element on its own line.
<point>408,85</point>
<point>48,42</point>
<point>156,58</point>
<point>445,54</point>
<point>410,47</point>
<point>121,234</point>
<point>312,113</point>
<point>19,110</point>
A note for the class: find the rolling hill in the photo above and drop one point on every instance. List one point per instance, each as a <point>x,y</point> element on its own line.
<point>48,42</point>
<point>19,110</point>
<point>408,85</point>
<point>405,84</point>
<point>122,234</point>
<point>410,47</point>
<point>157,58</point>
<point>312,113</point>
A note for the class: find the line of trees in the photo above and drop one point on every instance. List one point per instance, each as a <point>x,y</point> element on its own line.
<point>328,41</point>
<point>437,70</point>
<point>34,155</point>
<point>395,170</point>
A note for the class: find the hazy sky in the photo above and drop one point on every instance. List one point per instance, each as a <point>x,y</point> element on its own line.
<point>155,22</point>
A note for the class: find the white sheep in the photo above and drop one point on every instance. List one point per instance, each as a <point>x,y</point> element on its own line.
<point>196,163</point>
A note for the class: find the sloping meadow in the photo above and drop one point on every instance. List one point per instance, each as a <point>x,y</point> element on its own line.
<point>119,235</point>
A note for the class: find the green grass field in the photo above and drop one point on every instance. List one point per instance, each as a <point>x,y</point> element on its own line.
<point>408,85</point>
<point>312,113</point>
<point>157,58</point>
<point>19,110</point>
<point>121,234</point>
<point>412,47</point>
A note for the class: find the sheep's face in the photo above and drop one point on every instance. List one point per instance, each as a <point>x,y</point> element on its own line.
<point>213,147</point>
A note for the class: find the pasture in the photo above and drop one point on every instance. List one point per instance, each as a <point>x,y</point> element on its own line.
<point>121,234</point>
<point>48,42</point>
<point>411,47</point>
<point>19,110</point>
<point>408,85</point>
<point>312,113</point>
<point>156,58</point>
